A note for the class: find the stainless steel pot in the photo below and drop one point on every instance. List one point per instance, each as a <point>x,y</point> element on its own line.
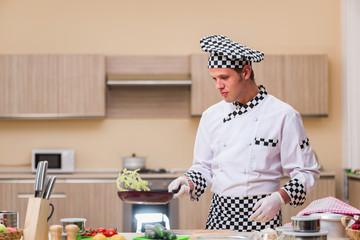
<point>306,223</point>
<point>9,219</point>
<point>331,222</point>
<point>133,162</point>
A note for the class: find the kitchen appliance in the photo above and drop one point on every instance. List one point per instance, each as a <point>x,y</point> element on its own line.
<point>142,214</point>
<point>59,160</point>
<point>80,222</point>
<point>9,219</point>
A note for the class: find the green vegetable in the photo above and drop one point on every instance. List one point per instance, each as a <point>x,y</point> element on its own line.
<point>150,234</point>
<point>159,230</point>
<point>170,235</point>
<point>3,228</point>
<point>149,226</point>
<point>131,179</point>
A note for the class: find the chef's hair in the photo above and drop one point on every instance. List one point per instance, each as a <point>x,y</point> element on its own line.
<point>252,74</point>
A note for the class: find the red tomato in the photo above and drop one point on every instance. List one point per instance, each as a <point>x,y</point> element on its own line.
<point>101,230</point>
<point>10,229</point>
<point>110,232</point>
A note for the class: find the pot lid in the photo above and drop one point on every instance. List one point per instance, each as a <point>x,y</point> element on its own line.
<point>305,218</point>
<point>306,234</point>
<point>73,220</point>
<point>328,216</point>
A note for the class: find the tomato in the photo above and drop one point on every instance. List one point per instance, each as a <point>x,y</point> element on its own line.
<point>101,230</point>
<point>110,232</point>
<point>10,229</point>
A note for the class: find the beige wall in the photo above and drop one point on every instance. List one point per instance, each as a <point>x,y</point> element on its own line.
<point>162,27</point>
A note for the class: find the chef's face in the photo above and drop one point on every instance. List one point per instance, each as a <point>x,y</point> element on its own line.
<point>231,84</point>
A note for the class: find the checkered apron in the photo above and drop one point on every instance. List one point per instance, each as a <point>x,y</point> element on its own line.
<point>233,213</point>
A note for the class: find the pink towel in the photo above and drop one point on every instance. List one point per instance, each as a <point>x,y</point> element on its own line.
<point>329,204</point>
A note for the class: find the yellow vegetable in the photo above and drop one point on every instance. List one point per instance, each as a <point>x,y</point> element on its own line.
<point>99,237</point>
<point>117,237</point>
<point>131,179</point>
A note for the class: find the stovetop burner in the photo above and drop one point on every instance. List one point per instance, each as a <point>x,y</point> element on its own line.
<point>154,171</point>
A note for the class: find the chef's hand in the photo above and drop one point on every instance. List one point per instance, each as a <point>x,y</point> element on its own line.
<point>182,184</point>
<point>267,208</point>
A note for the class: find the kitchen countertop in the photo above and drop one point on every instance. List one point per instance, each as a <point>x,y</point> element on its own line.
<point>355,176</point>
<point>83,175</point>
<point>110,174</point>
<point>194,233</point>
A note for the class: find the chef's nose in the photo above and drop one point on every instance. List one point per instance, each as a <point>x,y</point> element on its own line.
<point>219,84</point>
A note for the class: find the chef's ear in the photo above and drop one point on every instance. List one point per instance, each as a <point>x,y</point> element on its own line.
<point>246,71</point>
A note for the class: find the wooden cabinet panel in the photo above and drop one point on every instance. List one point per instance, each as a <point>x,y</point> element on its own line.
<point>193,215</point>
<point>97,201</point>
<point>354,193</point>
<point>203,91</point>
<point>15,197</point>
<point>299,80</point>
<point>52,86</point>
<point>158,100</point>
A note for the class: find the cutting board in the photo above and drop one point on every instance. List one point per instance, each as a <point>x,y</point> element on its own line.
<point>177,238</point>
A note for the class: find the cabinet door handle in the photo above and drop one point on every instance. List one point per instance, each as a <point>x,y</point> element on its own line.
<point>30,195</point>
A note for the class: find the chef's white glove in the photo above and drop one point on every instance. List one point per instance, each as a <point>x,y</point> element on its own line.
<point>267,208</point>
<point>182,183</point>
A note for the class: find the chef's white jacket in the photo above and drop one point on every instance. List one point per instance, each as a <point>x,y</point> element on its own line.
<point>227,157</point>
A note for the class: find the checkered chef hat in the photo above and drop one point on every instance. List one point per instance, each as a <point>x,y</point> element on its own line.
<point>225,53</point>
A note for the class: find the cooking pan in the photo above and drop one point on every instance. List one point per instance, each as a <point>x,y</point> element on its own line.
<point>146,197</point>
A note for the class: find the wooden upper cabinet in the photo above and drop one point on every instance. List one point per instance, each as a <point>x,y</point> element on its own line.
<point>299,80</point>
<point>52,86</point>
<point>203,91</point>
<point>148,86</point>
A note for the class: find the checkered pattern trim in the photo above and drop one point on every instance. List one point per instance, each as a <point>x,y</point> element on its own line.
<point>241,109</point>
<point>266,142</point>
<point>229,51</point>
<point>234,212</point>
<point>199,183</point>
<point>218,61</point>
<point>304,143</point>
<point>296,192</point>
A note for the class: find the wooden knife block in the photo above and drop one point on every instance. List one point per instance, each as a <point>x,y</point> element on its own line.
<point>36,226</point>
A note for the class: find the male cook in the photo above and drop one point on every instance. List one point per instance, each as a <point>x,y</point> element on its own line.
<point>244,145</point>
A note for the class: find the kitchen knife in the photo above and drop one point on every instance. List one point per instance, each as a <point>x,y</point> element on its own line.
<point>38,180</point>
<point>49,186</point>
<point>44,176</point>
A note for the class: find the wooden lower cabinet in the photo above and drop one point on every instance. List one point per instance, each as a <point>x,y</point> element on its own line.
<point>353,189</point>
<point>95,200</point>
<point>193,215</point>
